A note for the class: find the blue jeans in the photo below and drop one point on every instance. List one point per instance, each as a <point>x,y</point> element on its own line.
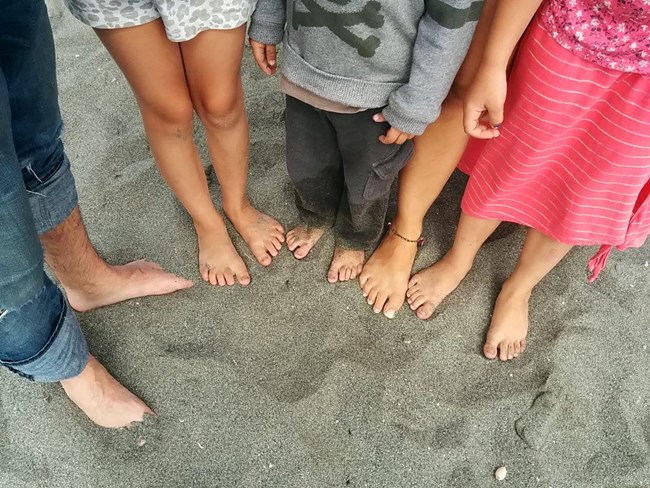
<point>40,337</point>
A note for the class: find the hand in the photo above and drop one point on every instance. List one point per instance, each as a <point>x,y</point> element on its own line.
<point>265,56</point>
<point>393,136</point>
<point>483,104</point>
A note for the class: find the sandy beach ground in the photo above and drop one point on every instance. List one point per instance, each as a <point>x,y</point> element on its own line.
<point>292,382</point>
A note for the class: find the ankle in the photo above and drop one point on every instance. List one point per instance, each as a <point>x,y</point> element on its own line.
<point>513,288</point>
<point>234,208</point>
<point>461,260</point>
<point>411,228</point>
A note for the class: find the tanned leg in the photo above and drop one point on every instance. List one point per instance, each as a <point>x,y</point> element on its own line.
<point>506,336</point>
<point>428,288</point>
<point>212,65</point>
<point>153,65</point>
<point>385,276</point>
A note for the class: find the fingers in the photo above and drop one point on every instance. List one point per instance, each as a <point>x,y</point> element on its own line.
<point>395,136</point>
<point>379,117</point>
<point>472,116</point>
<point>271,56</point>
<point>260,54</point>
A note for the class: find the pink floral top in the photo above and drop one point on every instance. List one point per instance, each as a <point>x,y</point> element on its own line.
<point>612,33</point>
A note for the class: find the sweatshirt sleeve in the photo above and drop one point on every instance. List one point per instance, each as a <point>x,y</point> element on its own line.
<point>444,34</point>
<point>267,22</point>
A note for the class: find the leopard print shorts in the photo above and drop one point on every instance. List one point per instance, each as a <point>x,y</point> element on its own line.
<point>183,19</point>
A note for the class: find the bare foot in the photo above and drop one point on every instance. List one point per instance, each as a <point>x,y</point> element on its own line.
<point>301,239</point>
<point>507,333</point>
<point>219,262</point>
<point>103,399</point>
<point>385,276</point>
<point>263,234</point>
<point>346,265</point>
<point>124,282</point>
<point>428,288</point>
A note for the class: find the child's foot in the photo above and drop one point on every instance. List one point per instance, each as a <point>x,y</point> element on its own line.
<point>385,276</point>
<point>346,265</point>
<point>428,288</point>
<point>103,399</point>
<point>301,239</point>
<point>507,333</point>
<point>219,262</point>
<point>263,234</point>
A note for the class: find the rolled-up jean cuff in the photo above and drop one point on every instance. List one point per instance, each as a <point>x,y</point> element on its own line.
<point>53,200</point>
<point>63,357</point>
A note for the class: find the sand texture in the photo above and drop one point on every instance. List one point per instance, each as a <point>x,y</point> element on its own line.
<point>293,382</point>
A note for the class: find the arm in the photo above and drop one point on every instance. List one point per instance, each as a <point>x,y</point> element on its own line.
<point>487,94</point>
<point>444,34</point>
<point>266,30</point>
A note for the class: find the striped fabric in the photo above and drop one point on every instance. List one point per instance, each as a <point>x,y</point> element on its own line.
<point>573,158</point>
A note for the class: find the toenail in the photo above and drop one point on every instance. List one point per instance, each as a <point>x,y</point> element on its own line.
<point>390,314</point>
<point>370,302</point>
<point>376,310</point>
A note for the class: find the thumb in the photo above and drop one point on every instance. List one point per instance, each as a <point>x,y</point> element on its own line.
<point>271,54</point>
<point>379,117</point>
<point>495,116</point>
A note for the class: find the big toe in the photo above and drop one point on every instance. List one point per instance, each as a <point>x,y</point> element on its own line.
<point>490,350</point>
<point>425,311</point>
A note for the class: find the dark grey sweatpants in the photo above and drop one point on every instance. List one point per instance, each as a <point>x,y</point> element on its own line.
<point>341,172</point>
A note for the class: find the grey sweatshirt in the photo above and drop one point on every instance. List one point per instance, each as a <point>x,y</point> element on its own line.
<point>401,54</point>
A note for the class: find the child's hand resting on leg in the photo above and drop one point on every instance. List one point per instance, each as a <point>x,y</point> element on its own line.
<point>393,135</point>
<point>265,56</point>
<point>483,105</point>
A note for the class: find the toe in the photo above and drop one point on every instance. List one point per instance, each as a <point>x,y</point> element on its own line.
<point>243,279</point>
<point>221,279</point>
<point>230,277</point>
<point>272,249</point>
<point>332,275</point>
<point>372,296</point>
<point>425,311</point>
<point>393,304</point>
<point>490,350</point>
<point>511,352</point>
<point>503,351</point>
<point>380,301</point>
<point>516,349</point>
<point>213,277</point>
<point>417,301</point>
<point>413,282</point>
<point>204,272</point>
<point>300,252</point>
<point>347,274</point>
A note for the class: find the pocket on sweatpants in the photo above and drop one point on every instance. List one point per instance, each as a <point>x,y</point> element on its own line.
<point>384,172</point>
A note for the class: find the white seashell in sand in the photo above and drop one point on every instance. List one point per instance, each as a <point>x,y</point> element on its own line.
<point>501,473</point>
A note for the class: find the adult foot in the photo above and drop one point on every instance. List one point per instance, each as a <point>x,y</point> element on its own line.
<point>124,282</point>
<point>346,264</point>
<point>103,399</point>
<point>506,336</point>
<point>301,239</point>
<point>428,288</point>
<point>263,234</point>
<point>385,277</point>
<point>219,262</point>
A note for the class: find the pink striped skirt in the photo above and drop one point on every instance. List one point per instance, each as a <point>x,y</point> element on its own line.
<point>573,157</point>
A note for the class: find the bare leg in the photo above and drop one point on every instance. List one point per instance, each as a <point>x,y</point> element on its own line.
<point>212,64</point>
<point>428,288</point>
<point>89,281</point>
<point>507,333</point>
<point>385,276</point>
<point>154,67</point>
<point>103,399</point>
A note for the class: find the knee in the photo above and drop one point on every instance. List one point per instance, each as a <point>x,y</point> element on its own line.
<point>174,112</point>
<point>220,111</point>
